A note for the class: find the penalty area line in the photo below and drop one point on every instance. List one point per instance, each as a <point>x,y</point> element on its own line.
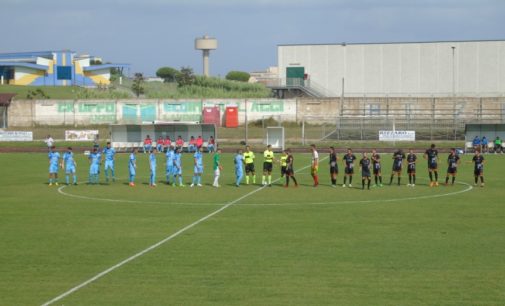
<point>156,245</point>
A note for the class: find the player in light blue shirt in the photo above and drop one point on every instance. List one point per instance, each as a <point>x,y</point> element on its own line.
<point>170,165</point>
<point>132,167</point>
<point>95,159</point>
<point>152,167</point>
<point>178,167</point>
<point>109,154</point>
<point>70,166</point>
<point>239,167</point>
<point>198,160</point>
<point>54,163</point>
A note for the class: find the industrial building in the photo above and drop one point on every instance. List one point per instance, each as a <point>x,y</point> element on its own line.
<point>54,68</point>
<point>444,68</point>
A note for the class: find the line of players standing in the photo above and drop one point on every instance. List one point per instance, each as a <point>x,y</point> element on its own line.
<point>368,165</point>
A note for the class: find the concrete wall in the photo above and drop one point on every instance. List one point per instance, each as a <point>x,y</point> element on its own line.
<point>401,69</point>
<point>96,112</point>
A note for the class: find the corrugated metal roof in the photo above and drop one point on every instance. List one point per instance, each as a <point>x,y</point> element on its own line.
<point>392,43</point>
<point>104,66</point>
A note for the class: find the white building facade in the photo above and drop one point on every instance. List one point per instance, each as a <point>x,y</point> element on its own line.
<point>460,68</point>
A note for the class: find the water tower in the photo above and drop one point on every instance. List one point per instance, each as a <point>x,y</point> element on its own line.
<point>206,44</point>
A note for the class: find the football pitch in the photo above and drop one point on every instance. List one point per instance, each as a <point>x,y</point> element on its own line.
<point>111,244</point>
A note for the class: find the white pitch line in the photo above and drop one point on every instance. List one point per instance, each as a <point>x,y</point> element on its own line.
<point>154,246</point>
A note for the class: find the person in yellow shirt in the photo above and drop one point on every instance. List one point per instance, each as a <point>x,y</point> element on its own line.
<point>249,165</point>
<point>268,159</point>
<point>284,162</point>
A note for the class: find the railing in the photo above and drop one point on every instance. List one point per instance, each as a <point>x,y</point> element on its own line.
<point>308,86</point>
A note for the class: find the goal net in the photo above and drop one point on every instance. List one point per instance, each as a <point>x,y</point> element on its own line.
<point>275,137</point>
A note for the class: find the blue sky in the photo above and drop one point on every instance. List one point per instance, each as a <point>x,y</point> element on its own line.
<point>153,33</point>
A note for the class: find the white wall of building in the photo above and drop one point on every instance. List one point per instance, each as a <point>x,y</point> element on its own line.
<point>401,68</point>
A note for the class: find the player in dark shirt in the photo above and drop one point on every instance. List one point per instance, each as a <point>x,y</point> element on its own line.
<point>478,170</point>
<point>365,164</point>
<point>376,165</point>
<point>432,156</point>
<point>290,171</point>
<point>398,158</point>
<point>411,168</point>
<point>452,169</point>
<point>333,167</point>
<point>349,159</point>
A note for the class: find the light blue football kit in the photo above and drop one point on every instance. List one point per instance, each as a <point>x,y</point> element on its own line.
<point>152,165</point>
<point>69,161</point>
<point>109,154</point>
<point>54,158</point>
<point>94,168</point>
<point>197,177</point>
<point>170,165</point>
<point>239,165</point>
<point>131,167</point>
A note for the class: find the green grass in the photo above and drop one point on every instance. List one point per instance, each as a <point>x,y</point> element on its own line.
<point>304,246</point>
<point>63,92</point>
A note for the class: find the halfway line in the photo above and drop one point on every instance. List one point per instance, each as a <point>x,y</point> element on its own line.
<point>154,246</point>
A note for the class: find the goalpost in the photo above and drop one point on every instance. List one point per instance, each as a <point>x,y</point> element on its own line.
<point>275,137</point>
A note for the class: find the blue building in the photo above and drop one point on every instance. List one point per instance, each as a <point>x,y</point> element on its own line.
<point>55,68</point>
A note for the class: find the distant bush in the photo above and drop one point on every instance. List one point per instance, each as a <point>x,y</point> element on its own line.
<point>240,76</point>
<point>168,74</point>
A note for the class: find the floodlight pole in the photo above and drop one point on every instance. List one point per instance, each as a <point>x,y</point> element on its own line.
<point>453,72</point>
<point>246,124</point>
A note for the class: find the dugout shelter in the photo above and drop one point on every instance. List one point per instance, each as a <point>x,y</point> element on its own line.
<point>125,137</point>
<point>481,130</point>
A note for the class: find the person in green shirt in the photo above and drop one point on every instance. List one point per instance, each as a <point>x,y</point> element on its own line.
<point>217,167</point>
<point>249,165</point>
<point>497,145</point>
<point>268,160</point>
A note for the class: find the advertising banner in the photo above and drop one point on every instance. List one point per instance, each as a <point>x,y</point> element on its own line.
<point>80,135</point>
<point>397,135</point>
<point>16,136</point>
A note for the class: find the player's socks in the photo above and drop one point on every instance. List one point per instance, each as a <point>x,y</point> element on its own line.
<point>294,180</point>
<point>399,179</point>
<point>436,176</point>
<point>254,179</point>
<point>368,186</point>
<point>269,180</point>
<point>287,180</point>
<point>453,179</point>
<point>446,180</point>
<point>350,180</point>
<point>362,183</point>
<point>431,176</point>
<point>316,180</point>
<point>180,180</point>
<point>199,180</point>
<point>263,180</point>
<point>67,179</point>
<point>410,179</point>
<point>345,180</point>
<point>376,180</point>
<point>247,179</point>
<point>476,180</point>
<point>481,180</point>
<point>414,179</point>
<point>380,179</point>
<point>113,175</point>
<point>391,179</point>
<point>75,179</point>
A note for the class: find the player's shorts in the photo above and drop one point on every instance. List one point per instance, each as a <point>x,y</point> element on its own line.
<point>70,170</point>
<point>349,170</point>
<point>478,171</point>
<point>94,169</point>
<point>53,168</point>
<point>411,169</point>
<point>170,169</point>
<point>217,172</point>
<point>267,167</point>
<point>452,170</point>
<point>334,170</point>
<point>249,168</point>
<point>283,170</point>
<point>314,170</point>
<point>377,169</point>
<point>177,171</point>
<point>239,172</point>
<point>109,164</point>
<point>365,173</point>
<point>432,166</point>
<point>198,169</point>
<point>397,168</point>
<point>290,171</point>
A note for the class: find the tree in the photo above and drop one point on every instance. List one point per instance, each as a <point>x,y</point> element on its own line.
<point>240,76</point>
<point>186,77</point>
<point>138,84</point>
<point>168,74</point>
